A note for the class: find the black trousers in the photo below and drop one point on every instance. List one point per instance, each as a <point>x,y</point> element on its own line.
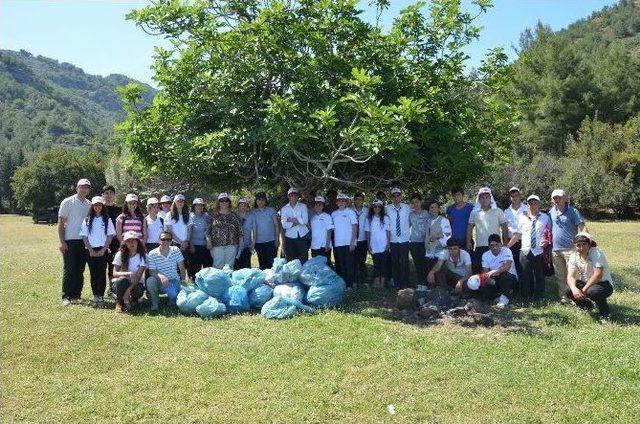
<point>598,293</point>
<point>345,260</point>
<point>200,258</point>
<point>505,283</point>
<point>476,258</point>
<point>119,287</point>
<point>360,262</point>
<point>244,260</point>
<point>380,262</point>
<point>266,254</point>
<point>98,272</point>
<point>531,277</point>
<point>515,251</point>
<point>400,264</point>
<point>75,261</point>
<point>296,248</point>
<point>417,251</point>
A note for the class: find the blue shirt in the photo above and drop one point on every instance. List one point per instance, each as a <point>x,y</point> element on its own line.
<point>459,219</point>
<point>262,221</point>
<point>565,226</point>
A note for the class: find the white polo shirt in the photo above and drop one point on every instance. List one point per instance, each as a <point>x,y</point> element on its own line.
<point>459,267</point>
<point>402,211</point>
<point>513,217</point>
<point>343,222</point>
<point>298,211</point>
<point>97,236</point>
<point>491,261</point>
<point>320,224</point>
<point>362,223</point>
<point>525,228</point>
<point>378,233</point>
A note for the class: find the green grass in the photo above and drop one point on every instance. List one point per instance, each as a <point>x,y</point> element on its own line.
<point>77,364</point>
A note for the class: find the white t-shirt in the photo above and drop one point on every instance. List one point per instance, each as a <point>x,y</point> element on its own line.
<point>343,222</point>
<point>154,228</point>
<point>362,223</point>
<point>163,214</point>
<point>74,211</point>
<point>491,261</point>
<point>135,262</point>
<point>513,217</point>
<point>595,259</point>
<point>97,236</point>
<point>378,235</point>
<point>320,224</point>
<point>461,266</point>
<point>177,227</point>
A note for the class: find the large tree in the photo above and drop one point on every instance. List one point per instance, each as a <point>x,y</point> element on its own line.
<point>307,92</point>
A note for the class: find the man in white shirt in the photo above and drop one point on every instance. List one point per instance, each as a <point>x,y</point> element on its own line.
<point>73,210</point>
<point>360,259</point>
<point>321,226</point>
<point>485,219</point>
<point>497,264</point>
<point>398,213</point>
<point>453,268</point>
<point>295,224</point>
<point>345,233</point>
<point>530,232</point>
<point>512,214</point>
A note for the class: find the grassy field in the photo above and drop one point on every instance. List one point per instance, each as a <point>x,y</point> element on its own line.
<point>77,364</point>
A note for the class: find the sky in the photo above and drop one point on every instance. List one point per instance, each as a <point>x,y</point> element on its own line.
<point>95,36</point>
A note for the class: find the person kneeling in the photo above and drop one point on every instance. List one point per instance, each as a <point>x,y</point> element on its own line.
<point>498,265</point>
<point>588,277</point>
<point>128,268</point>
<point>164,262</point>
<point>453,268</point>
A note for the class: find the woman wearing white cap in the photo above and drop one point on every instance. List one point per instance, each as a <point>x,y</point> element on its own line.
<point>321,226</point>
<point>589,277</point>
<point>131,219</point>
<point>486,219</point>
<point>345,235</point>
<point>243,259</point>
<point>97,232</point>
<point>178,223</point>
<point>266,231</point>
<point>165,206</point>
<point>129,265</point>
<point>200,251</point>
<point>378,232</point>
<point>225,233</point>
<point>295,221</point>
<point>155,224</point>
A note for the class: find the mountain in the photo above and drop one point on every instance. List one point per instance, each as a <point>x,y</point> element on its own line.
<point>45,103</point>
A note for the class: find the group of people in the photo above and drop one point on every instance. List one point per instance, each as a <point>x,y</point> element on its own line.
<point>471,248</point>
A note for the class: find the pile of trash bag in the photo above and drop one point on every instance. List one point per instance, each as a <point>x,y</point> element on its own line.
<point>282,291</point>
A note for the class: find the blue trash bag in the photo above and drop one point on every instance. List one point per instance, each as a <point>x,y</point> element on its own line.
<point>310,274</point>
<point>189,298</point>
<point>260,296</point>
<point>328,293</point>
<point>236,299</point>
<point>290,271</point>
<point>249,278</point>
<point>228,270</point>
<point>283,307</point>
<point>213,281</point>
<point>211,308</point>
<point>293,290</point>
<point>278,263</point>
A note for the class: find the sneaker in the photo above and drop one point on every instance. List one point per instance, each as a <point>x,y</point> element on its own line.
<point>119,308</point>
<point>502,301</point>
<point>605,317</point>
<point>66,301</point>
<point>76,301</point>
<point>564,300</point>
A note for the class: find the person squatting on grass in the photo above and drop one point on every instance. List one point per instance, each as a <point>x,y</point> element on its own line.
<point>97,232</point>
<point>498,265</point>
<point>164,263</point>
<point>453,268</point>
<point>129,265</point>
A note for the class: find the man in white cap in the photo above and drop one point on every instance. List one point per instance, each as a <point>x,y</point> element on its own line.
<point>165,206</point>
<point>513,213</point>
<point>73,210</point>
<point>295,223</point>
<point>321,226</point>
<point>486,219</point>
<point>345,234</point>
<point>530,231</point>
<point>398,213</point>
<point>567,222</point>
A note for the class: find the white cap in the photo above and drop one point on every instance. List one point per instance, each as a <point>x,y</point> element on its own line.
<point>97,199</point>
<point>198,201</point>
<point>152,201</point>
<point>586,235</point>
<point>83,181</point>
<point>557,193</point>
<point>178,197</point>
<point>243,200</point>
<point>223,196</point>
<point>378,202</point>
<point>533,197</point>
<point>131,198</point>
<point>342,196</point>
<point>514,188</point>
<point>396,190</point>
<point>292,190</point>
<point>129,235</point>
<point>165,199</point>
<point>473,283</point>
<point>319,199</point>
<point>484,190</point>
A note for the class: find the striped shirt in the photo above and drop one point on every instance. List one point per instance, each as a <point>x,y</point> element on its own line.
<point>166,265</point>
<point>131,223</point>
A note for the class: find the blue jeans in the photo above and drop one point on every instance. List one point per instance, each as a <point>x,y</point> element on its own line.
<point>154,288</point>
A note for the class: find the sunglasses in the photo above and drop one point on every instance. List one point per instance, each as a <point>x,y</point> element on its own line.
<point>165,239</point>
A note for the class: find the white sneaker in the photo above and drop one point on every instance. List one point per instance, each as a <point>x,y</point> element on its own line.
<point>66,302</point>
<point>502,301</point>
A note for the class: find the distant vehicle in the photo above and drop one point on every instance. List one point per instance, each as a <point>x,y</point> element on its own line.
<point>49,215</point>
